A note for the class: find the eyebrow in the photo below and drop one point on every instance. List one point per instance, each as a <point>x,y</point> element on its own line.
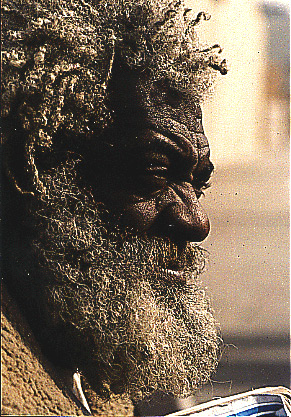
<point>202,141</point>
<point>174,144</point>
<point>176,138</point>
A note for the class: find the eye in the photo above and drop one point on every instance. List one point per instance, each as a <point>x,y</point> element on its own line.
<point>157,170</point>
<point>154,174</point>
<point>156,163</point>
<point>174,96</point>
<point>199,189</point>
<point>201,178</point>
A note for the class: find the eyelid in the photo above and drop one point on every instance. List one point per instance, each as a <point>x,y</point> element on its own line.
<point>157,158</point>
<point>205,185</point>
<point>160,172</point>
<point>157,164</point>
<point>201,188</point>
<point>157,168</point>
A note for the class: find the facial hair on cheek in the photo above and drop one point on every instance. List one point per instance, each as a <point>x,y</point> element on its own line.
<point>145,333</point>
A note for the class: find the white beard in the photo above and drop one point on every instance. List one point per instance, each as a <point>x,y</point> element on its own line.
<point>142,330</point>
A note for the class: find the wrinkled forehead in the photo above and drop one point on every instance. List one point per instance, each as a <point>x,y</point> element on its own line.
<point>174,112</point>
<point>162,94</point>
<point>141,102</point>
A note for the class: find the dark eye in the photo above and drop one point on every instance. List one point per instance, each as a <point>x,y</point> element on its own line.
<point>201,178</point>
<point>153,176</point>
<point>174,96</point>
<point>199,189</point>
<point>157,170</point>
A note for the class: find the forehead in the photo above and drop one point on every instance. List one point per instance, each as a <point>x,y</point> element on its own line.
<point>143,103</point>
<point>177,113</point>
<point>163,92</point>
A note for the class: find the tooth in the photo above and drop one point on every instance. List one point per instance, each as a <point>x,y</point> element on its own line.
<point>178,274</point>
<point>78,391</point>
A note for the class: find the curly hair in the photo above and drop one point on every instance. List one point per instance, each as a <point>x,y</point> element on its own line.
<point>63,259</point>
<point>57,58</point>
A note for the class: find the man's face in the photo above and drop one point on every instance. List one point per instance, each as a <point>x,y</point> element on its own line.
<point>156,163</point>
<point>119,288</point>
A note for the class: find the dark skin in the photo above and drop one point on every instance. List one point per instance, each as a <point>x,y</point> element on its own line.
<point>154,160</point>
<point>149,169</point>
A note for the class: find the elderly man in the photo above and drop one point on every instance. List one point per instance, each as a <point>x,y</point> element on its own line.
<point>105,160</point>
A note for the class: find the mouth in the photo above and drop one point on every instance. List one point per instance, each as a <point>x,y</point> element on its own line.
<point>174,265</point>
<point>175,258</point>
<point>175,276</point>
<point>180,260</point>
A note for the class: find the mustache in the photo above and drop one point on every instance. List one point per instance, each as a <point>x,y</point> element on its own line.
<point>192,257</point>
<point>71,211</point>
<point>85,234</point>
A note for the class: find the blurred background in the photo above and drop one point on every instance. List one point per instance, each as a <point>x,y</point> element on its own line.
<point>247,122</point>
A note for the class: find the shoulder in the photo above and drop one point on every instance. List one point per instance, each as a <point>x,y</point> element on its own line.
<point>29,383</point>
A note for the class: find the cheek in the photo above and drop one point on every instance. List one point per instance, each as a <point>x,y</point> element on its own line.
<point>174,213</point>
<point>139,216</point>
<point>150,184</point>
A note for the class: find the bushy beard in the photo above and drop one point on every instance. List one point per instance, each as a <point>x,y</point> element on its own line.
<point>132,327</point>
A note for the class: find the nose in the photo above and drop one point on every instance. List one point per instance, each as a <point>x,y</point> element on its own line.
<point>175,213</point>
<point>181,218</point>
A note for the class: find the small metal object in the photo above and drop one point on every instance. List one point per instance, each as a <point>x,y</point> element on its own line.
<point>78,391</point>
